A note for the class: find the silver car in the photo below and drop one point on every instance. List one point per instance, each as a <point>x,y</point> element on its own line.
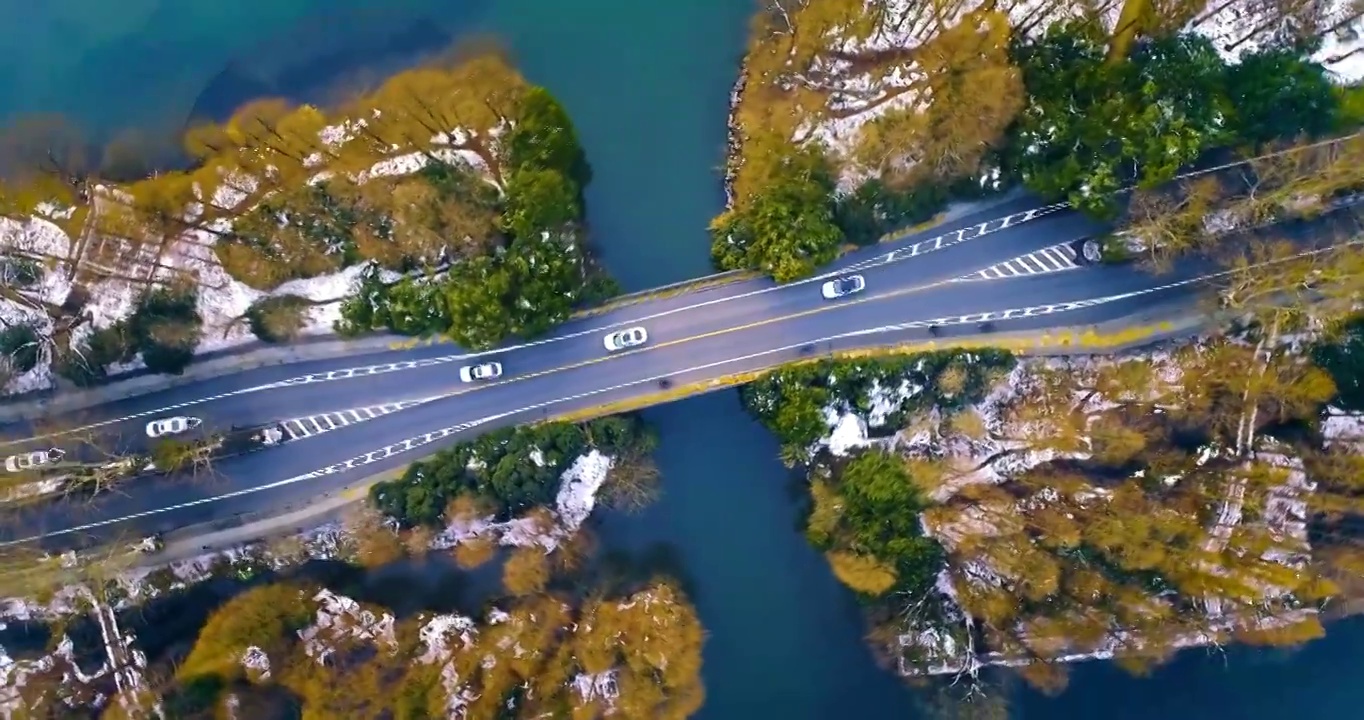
<point>486,371</point>
<point>842,287</point>
<point>27,461</point>
<point>172,426</point>
<point>628,338</point>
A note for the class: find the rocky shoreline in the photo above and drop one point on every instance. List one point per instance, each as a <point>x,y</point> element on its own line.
<point>734,136</point>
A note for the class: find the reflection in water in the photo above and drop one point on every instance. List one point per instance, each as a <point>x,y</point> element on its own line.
<point>339,61</point>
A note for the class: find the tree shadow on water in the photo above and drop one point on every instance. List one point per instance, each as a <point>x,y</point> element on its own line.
<point>620,572</point>
<point>340,52</point>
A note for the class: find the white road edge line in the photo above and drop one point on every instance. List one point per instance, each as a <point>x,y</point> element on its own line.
<point>884,259</point>
<point>427,438</point>
<point>909,251</point>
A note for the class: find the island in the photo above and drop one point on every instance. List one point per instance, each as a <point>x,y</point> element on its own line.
<point>1053,308</point>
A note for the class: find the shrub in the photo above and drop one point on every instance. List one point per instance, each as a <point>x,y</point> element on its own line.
<point>279,318</point>
<point>364,311</point>
<point>506,471</point>
<point>1343,358</point>
<point>411,306</point>
<point>19,272</point>
<point>21,345</point>
<point>87,364</point>
<point>166,328</point>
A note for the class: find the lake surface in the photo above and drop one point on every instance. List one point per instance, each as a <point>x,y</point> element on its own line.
<point>647,84</point>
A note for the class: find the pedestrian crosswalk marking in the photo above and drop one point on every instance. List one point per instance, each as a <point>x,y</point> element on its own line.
<point>1047,260</point>
<point>299,428</point>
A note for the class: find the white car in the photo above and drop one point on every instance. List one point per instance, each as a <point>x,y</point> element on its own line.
<point>172,426</point>
<point>628,338</point>
<point>30,460</point>
<point>486,371</point>
<point>842,287</point>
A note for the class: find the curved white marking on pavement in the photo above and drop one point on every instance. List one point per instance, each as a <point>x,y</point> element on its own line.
<point>923,247</point>
<point>427,438</point>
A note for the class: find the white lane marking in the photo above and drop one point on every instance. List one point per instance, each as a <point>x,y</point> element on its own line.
<point>297,430</point>
<point>922,247</point>
<point>427,438</point>
<point>1056,258</point>
<point>410,443</point>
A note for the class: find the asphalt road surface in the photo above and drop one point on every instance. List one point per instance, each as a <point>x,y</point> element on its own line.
<point>1013,267</point>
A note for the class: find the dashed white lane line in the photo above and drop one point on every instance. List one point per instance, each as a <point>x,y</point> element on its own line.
<point>427,438</point>
<point>922,247</point>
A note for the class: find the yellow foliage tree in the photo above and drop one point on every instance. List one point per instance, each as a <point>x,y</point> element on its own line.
<point>862,573</point>
<point>263,617</point>
<point>526,571</point>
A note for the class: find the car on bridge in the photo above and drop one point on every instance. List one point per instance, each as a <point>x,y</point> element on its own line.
<point>627,338</point>
<point>486,371</point>
<point>172,426</point>
<point>842,287</point>
<point>27,461</point>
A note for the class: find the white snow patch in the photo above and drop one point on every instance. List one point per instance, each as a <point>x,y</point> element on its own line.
<point>1239,29</point>
<point>849,432</point>
<point>572,505</point>
<point>222,301</point>
<point>339,615</point>
<point>578,493</point>
<point>599,686</point>
<point>257,663</point>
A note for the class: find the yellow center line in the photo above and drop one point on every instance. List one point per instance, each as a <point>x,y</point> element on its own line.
<point>832,306</point>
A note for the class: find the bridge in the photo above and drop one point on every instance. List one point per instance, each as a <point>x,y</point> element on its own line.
<point>1013,269</point>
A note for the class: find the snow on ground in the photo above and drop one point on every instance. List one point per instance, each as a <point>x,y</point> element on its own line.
<point>575,500</point>
<point>1342,426</point>
<point>1237,29</point>
<point>599,686</point>
<point>436,635</point>
<point>340,616</point>
<point>223,301</point>
<point>578,493</point>
<point>256,663</point>
<point>848,432</point>
<point>996,458</point>
<point>44,243</point>
<point>75,682</point>
<point>860,93</point>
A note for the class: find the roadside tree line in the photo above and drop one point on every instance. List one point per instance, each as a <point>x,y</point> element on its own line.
<point>509,472</point>
<point>1067,109</point>
<point>457,184</point>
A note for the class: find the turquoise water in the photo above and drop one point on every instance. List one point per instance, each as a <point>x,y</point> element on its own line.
<point>647,84</point>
